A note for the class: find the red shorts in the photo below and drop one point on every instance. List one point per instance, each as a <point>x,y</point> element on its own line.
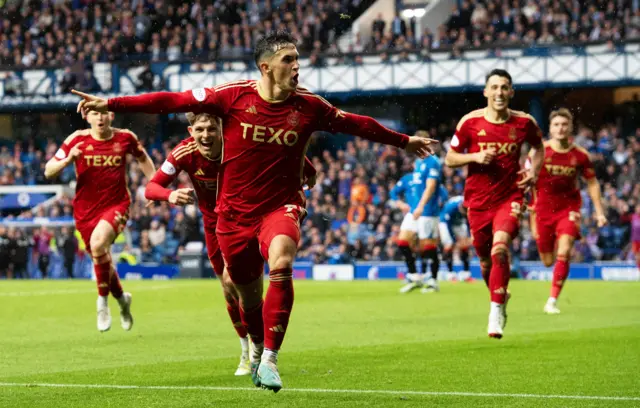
<point>110,215</point>
<point>485,223</point>
<point>636,247</point>
<point>213,248</point>
<point>550,226</point>
<point>245,244</point>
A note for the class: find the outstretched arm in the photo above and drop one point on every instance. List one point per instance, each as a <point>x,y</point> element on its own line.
<point>338,121</point>
<point>196,100</point>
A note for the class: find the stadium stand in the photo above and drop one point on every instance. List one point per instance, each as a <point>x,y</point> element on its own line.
<point>348,219</point>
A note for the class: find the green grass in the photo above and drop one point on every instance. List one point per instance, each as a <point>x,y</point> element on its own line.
<point>342,336</point>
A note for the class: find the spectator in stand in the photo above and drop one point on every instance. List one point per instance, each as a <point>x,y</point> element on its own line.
<point>42,239</point>
<point>20,245</point>
<point>67,247</point>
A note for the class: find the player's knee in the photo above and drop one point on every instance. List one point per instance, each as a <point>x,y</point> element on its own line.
<point>228,289</point>
<point>547,259</point>
<point>282,261</point>
<point>99,244</point>
<point>500,252</point>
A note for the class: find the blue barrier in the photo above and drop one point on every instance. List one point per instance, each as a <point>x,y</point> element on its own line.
<point>148,271</point>
<point>610,271</point>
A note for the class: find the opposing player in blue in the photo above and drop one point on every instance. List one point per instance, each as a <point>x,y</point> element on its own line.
<point>454,233</point>
<point>421,191</point>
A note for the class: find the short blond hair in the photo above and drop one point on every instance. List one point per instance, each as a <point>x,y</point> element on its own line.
<point>192,118</point>
<point>422,133</point>
<point>562,112</point>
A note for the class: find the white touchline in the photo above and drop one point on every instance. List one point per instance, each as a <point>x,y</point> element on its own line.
<point>321,390</point>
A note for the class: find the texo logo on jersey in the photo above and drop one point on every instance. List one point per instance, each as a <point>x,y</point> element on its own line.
<point>558,170</point>
<point>264,134</point>
<point>100,160</point>
<point>502,148</point>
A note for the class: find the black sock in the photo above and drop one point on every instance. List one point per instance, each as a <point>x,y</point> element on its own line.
<point>464,255</point>
<point>435,262</point>
<point>409,259</point>
<point>448,258</point>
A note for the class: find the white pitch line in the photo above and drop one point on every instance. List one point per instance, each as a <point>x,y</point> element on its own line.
<point>322,391</point>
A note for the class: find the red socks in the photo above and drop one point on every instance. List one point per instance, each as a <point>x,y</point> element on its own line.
<point>102,267</point>
<point>234,313</point>
<point>485,269</point>
<point>277,307</point>
<point>500,272</point>
<point>252,320</point>
<point>560,274</point>
<point>114,285</point>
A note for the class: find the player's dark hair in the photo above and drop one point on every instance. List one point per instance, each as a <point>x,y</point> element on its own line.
<point>499,72</point>
<point>271,42</point>
<point>192,118</point>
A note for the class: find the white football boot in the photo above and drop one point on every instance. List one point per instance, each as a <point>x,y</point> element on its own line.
<point>496,320</point>
<point>244,366</point>
<point>414,281</point>
<point>126,319</point>
<point>104,315</point>
<point>550,307</point>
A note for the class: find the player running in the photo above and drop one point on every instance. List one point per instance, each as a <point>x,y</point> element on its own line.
<point>426,215</point>
<point>199,156</point>
<point>454,233</point>
<point>489,142</point>
<point>267,128</point>
<point>555,219</point>
<point>405,196</point>
<point>101,203</point>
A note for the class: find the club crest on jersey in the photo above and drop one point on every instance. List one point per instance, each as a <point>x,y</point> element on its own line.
<point>294,118</point>
<point>117,148</point>
<point>573,161</point>
<point>512,134</point>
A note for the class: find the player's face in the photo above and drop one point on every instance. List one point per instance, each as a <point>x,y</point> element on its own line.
<point>99,121</point>
<point>498,92</point>
<point>206,133</point>
<point>284,67</point>
<point>560,128</point>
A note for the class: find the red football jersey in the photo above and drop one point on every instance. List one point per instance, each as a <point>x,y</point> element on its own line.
<point>202,172</point>
<point>101,179</point>
<point>557,187</point>
<point>264,142</point>
<point>488,185</point>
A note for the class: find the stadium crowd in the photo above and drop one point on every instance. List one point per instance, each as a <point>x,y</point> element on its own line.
<point>41,33</point>
<point>348,216</point>
<point>47,33</point>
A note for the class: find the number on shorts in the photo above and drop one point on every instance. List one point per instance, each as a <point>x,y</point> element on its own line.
<point>302,212</point>
<point>574,216</point>
<point>516,209</point>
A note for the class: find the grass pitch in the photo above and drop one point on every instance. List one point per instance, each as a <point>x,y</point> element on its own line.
<point>350,344</point>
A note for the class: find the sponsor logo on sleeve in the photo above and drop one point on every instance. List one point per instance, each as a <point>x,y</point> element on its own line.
<point>168,169</point>
<point>60,154</point>
<point>200,94</point>
<point>455,142</point>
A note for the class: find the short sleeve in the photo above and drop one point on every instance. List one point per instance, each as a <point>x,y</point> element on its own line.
<point>461,139</point>
<point>135,147</point>
<point>588,172</point>
<point>433,170</point>
<point>534,134</point>
<point>63,151</point>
